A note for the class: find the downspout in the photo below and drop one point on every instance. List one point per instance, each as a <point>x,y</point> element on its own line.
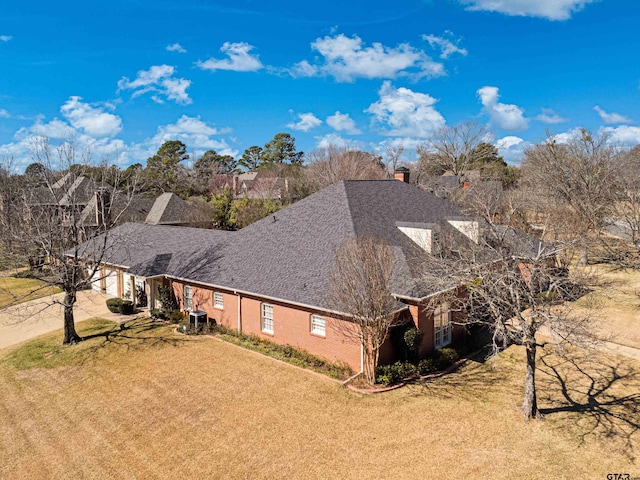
<point>239,311</point>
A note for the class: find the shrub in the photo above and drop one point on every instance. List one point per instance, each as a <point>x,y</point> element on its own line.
<point>25,274</point>
<point>158,314</point>
<point>445,357</point>
<point>387,375</point>
<point>141,297</point>
<point>287,353</point>
<point>390,374</point>
<point>113,304</point>
<point>412,339</point>
<point>176,316</point>
<point>167,299</point>
<point>426,366</point>
<point>126,307</point>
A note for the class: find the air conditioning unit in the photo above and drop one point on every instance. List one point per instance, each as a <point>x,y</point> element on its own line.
<point>197,319</point>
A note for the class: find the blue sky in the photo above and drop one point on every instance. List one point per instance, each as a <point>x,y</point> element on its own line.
<point>124,76</point>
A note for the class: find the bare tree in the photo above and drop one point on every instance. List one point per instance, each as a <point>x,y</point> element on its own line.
<point>361,288</point>
<point>579,175</point>
<point>62,223</point>
<point>515,287</point>
<point>626,210</point>
<point>450,149</point>
<point>329,165</point>
<point>393,156</point>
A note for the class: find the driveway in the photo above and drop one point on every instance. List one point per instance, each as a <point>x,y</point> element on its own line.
<point>30,319</point>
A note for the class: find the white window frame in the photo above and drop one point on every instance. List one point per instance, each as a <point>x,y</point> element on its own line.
<point>442,326</point>
<point>218,300</point>
<point>266,318</point>
<point>187,296</point>
<point>318,325</point>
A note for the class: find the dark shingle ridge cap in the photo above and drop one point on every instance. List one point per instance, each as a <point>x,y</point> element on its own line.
<point>416,224</point>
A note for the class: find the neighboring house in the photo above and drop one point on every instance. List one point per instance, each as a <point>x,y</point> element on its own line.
<point>271,278</point>
<point>254,185</point>
<point>66,198</point>
<point>449,184</point>
<point>166,209</point>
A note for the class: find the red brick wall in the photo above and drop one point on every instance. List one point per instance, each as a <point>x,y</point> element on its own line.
<point>423,318</point>
<point>203,300</point>
<point>291,324</point>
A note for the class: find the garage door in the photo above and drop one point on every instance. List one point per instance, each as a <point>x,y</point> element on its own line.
<point>111,282</point>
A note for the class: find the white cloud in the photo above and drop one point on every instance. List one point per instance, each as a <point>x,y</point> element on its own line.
<point>59,132</point>
<point>405,112</point>
<point>447,44</point>
<point>565,137</point>
<point>5,38</point>
<point>335,140</point>
<point>346,59</point>
<point>4,113</point>
<point>55,129</point>
<point>342,122</point>
<point>92,120</point>
<point>192,131</point>
<point>306,122</point>
<point>623,134</point>
<point>549,9</point>
<point>175,47</point>
<point>612,117</point>
<point>512,148</point>
<point>550,117</point>
<point>158,80</point>
<point>505,116</point>
<point>239,59</point>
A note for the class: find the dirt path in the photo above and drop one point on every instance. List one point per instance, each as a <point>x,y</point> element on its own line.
<point>30,319</point>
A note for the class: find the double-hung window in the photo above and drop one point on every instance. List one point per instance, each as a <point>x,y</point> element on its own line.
<point>442,326</point>
<point>318,325</point>
<point>218,300</point>
<point>188,297</point>
<point>266,318</point>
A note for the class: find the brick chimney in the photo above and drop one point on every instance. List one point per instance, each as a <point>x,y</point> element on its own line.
<point>402,174</point>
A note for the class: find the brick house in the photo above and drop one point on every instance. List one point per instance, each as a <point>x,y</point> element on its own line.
<point>271,278</point>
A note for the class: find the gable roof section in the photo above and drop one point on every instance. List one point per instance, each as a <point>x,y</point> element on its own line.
<point>167,209</point>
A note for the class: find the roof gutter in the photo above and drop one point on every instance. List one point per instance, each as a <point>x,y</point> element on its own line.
<point>266,297</point>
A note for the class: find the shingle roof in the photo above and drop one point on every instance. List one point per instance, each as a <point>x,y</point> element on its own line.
<point>167,209</point>
<point>288,255</point>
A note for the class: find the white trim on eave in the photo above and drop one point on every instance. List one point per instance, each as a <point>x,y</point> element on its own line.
<point>267,297</point>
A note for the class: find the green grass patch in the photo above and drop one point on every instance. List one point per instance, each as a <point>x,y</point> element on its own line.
<point>102,339</point>
<point>286,353</point>
<point>19,290</point>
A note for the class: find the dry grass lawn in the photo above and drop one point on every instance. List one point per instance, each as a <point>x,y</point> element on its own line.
<point>616,301</point>
<point>18,290</point>
<point>147,403</point>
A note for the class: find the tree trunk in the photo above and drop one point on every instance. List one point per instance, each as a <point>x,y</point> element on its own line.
<point>530,404</point>
<point>369,365</point>
<point>584,252</point>
<point>70,335</point>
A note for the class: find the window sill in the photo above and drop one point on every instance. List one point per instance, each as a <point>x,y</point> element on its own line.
<point>319,335</point>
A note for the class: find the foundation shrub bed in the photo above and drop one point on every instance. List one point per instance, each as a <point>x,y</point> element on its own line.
<point>287,353</point>
<point>388,375</point>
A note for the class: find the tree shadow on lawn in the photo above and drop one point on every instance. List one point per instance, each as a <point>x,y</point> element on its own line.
<point>477,379</point>
<point>599,393</point>
<point>136,334</point>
